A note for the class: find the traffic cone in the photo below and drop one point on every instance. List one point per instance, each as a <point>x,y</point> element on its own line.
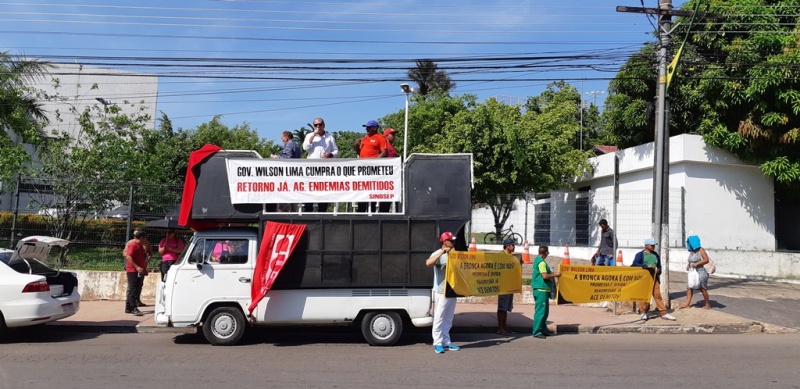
<point>473,245</point>
<point>618,262</point>
<point>565,260</point>
<point>526,254</point>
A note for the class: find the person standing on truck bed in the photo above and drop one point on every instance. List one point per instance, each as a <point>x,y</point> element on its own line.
<point>135,270</point>
<point>444,307</point>
<point>291,150</point>
<point>319,144</point>
<point>373,145</point>
<point>391,152</point>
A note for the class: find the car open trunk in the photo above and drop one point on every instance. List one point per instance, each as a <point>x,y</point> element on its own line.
<point>29,257</point>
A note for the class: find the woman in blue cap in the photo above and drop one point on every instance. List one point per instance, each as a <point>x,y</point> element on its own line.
<point>697,258</point>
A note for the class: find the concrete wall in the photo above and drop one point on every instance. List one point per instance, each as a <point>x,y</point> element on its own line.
<point>111,285</point>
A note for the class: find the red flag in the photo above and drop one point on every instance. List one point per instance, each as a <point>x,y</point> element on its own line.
<point>276,246</point>
<point>195,158</point>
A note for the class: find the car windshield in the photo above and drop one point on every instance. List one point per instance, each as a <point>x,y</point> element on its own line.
<point>30,266</point>
<point>5,256</point>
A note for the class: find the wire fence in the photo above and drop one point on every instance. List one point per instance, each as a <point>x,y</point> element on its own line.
<point>99,224</point>
<point>98,218</point>
<point>560,218</point>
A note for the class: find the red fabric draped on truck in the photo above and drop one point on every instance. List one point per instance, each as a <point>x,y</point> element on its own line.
<point>277,244</point>
<point>189,186</point>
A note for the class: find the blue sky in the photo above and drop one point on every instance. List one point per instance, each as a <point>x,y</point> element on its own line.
<point>277,65</point>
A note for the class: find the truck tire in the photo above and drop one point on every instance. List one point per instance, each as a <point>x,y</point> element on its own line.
<point>382,328</point>
<point>224,326</point>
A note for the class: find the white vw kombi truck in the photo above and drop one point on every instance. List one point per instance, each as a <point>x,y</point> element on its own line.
<point>344,268</point>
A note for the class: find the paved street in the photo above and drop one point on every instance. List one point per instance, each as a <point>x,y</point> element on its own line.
<point>159,360</point>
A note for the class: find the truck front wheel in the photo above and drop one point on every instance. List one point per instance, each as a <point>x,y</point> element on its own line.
<point>224,326</point>
<point>382,328</point>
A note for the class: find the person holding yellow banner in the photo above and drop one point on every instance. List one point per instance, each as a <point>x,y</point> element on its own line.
<point>648,258</point>
<point>542,283</point>
<point>505,302</point>
<point>443,308</point>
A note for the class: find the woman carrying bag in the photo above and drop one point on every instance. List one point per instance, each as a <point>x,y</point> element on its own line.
<point>697,258</point>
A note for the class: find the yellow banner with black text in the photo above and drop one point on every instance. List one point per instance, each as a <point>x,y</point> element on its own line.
<point>472,273</point>
<point>588,284</point>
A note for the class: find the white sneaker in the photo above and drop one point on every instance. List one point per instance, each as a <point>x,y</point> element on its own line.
<point>668,317</point>
<point>644,317</point>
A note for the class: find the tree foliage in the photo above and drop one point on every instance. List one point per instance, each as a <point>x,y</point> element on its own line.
<point>738,85</point>
<point>429,77</point>
<point>515,151</point>
<point>21,114</point>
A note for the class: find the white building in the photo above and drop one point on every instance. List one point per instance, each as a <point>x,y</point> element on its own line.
<point>80,87</point>
<point>730,204</point>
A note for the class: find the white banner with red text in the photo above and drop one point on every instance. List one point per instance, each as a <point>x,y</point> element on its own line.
<point>271,181</point>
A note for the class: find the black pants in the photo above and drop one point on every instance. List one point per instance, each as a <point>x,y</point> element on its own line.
<point>134,291</point>
<point>164,269</point>
<point>362,207</point>
<point>321,207</point>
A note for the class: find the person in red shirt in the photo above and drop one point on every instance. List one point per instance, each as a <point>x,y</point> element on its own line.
<point>136,270</point>
<point>391,152</point>
<point>373,145</point>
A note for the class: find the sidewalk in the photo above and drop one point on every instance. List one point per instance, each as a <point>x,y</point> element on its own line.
<point>108,316</point>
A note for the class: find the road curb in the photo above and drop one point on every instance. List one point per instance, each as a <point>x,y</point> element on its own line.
<point>728,329</point>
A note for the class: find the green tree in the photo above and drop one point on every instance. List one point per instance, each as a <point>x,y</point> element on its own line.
<point>21,113</point>
<point>738,85</point>
<point>427,116</point>
<point>429,77</point>
<point>86,174</point>
<point>345,141</point>
<point>515,152</point>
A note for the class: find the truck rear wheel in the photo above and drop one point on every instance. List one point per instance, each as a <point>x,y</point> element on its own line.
<point>382,328</point>
<point>224,326</point>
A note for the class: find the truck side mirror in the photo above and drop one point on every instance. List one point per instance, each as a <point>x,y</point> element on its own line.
<point>200,260</point>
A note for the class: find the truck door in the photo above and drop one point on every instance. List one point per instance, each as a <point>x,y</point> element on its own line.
<point>226,275</point>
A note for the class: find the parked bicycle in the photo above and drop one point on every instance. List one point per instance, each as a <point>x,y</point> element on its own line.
<point>493,238</point>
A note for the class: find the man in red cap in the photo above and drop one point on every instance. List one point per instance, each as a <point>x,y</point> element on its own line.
<point>444,307</point>
<point>391,152</point>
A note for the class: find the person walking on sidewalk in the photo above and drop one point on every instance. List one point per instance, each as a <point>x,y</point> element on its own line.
<point>648,258</point>
<point>608,240</point>
<point>444,307</point>
<point>135,270</point>
<point>697,258</point>
<point>505,302</point>
<point>542,284</point>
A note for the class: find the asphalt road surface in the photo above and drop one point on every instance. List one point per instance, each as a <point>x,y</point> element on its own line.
<point>341,359</point>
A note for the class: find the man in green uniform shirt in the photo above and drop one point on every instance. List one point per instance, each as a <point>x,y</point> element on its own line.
<point>648,258</point>
<point>542,283</point>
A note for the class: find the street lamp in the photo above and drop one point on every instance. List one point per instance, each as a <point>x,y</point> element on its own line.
<point>408,91</point>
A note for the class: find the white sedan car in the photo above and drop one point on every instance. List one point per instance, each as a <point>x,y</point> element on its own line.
<point>32,293</point>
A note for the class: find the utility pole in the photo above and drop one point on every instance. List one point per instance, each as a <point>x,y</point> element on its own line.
<point>661,146</point>
<point>594,94</point>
